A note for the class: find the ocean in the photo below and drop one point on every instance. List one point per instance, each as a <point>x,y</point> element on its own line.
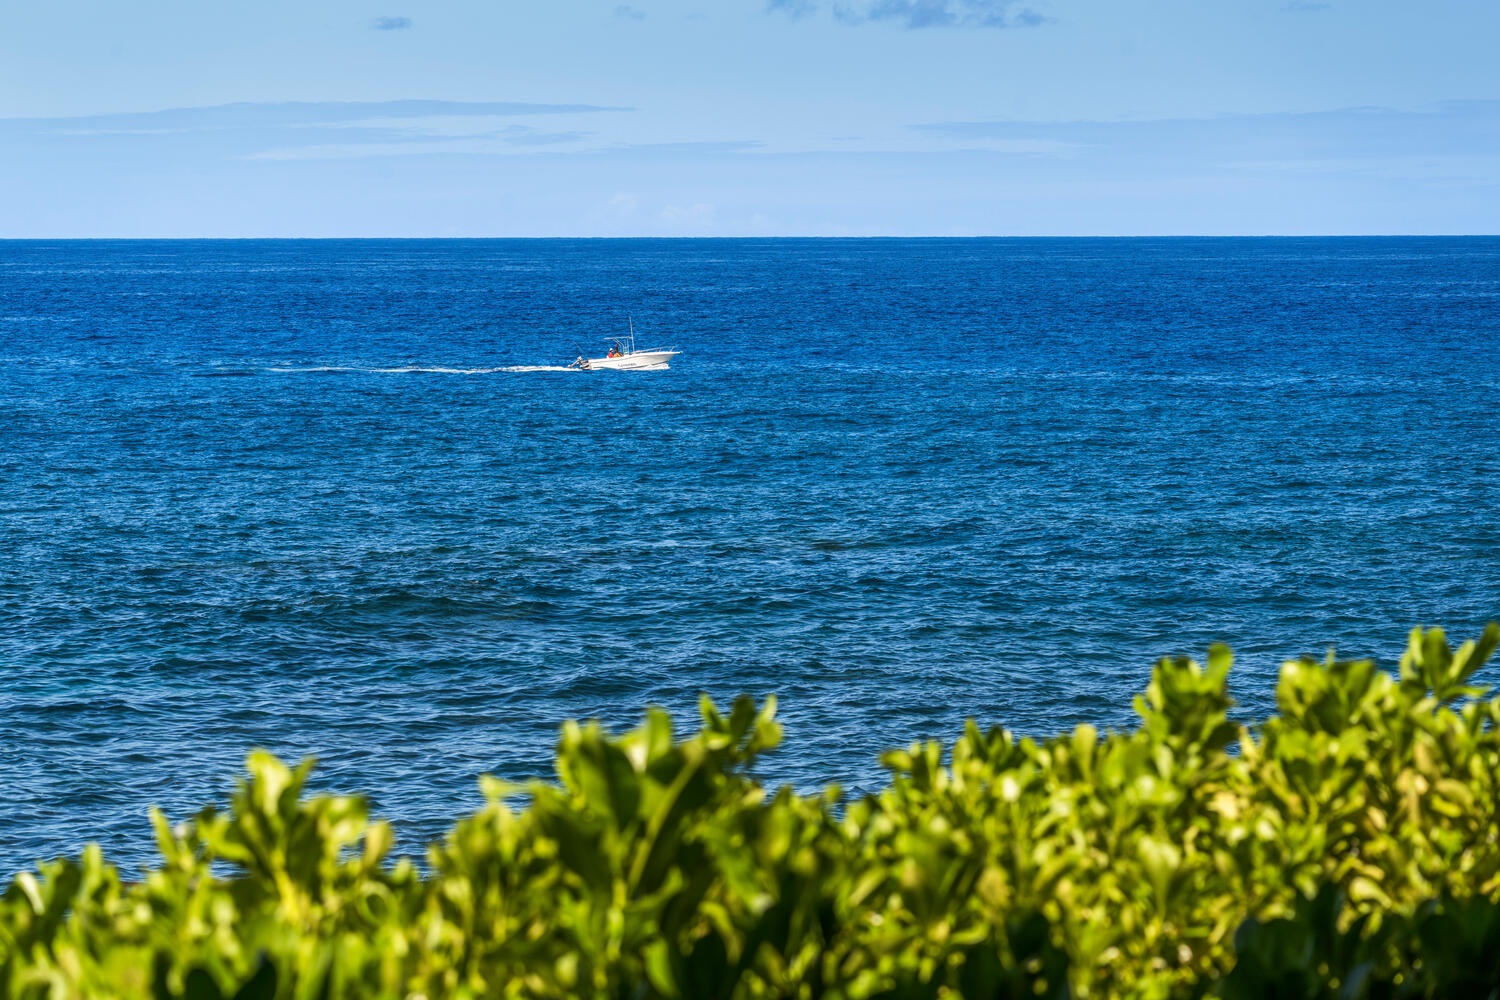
<point>341,498</point>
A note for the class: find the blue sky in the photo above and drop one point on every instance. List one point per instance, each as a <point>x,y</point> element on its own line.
<point>761,117</point>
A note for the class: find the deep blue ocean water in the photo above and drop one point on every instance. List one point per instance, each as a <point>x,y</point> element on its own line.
<point>315,496</point>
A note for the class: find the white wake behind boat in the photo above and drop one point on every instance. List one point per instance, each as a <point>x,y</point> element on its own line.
<point>623,356</point>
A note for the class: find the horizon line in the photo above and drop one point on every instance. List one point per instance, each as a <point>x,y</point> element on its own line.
<point>802,236</point>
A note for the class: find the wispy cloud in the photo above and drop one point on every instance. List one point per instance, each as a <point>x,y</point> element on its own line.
<point>1304,6</point>
<point>691,146</point>
<point>793,8</point>
<point>325,130</point>
<point>1461,132</point>
<point>920,13</point>
<point>436,168</point>
<point>391,23</point>
<point>520,135</point>
<point>630,13</point>
<point>246,117</point>
<point>367,142</point>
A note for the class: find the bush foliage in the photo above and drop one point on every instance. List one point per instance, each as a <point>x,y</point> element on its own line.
<point>1346,847</point>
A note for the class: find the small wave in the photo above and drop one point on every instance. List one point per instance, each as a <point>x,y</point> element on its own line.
<point>410,369</point>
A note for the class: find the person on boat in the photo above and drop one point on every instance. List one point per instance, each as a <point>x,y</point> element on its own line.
<point>613,352</point>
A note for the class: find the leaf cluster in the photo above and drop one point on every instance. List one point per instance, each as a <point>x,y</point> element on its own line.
<point>1346,847</point>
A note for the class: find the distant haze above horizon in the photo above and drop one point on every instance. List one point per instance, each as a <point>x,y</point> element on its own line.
<point>749,118</point>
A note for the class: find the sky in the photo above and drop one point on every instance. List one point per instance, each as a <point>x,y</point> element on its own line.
<point>748,118</point>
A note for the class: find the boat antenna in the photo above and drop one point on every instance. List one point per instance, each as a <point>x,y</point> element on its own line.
<point>631,321</point>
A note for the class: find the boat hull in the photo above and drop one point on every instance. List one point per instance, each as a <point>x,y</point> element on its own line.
<point>635,361</point>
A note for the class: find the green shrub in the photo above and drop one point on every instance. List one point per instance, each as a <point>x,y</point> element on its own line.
<point>1346,847</point>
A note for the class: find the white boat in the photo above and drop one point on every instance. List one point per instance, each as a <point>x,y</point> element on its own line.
<point>623,356</point>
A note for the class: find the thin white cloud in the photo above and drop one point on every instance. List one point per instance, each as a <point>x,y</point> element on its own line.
<point>793,8</point>
<point>247,117</point>
<point>391,23</point>
<point>919,13</point>
<point>319,172</point>
<point>1373,136</point>
<point>321,131</point>
<point>693,146</point>
<point>692,217</point>
<point>359,142</point>
<point>120,131</point>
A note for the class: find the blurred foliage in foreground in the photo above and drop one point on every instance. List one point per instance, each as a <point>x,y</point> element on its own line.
<point>1346,847</point>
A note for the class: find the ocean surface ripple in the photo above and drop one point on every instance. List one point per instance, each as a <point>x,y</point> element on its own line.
<point>342,498</point>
